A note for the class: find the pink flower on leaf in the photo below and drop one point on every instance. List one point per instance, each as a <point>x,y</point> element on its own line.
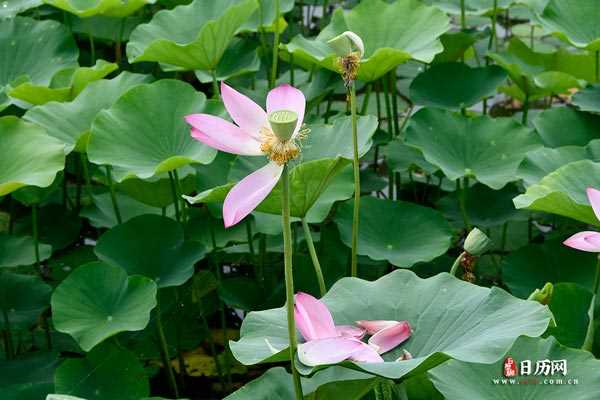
<point>252,135</point>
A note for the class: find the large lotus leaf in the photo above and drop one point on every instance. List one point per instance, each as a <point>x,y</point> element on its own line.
<point>540,162</point>
<point>401,158</point>
<point>65,84</point>
<point>97,301</point>
<point>335,382</point>
<point>562,192</point>
<point>108,372</point>
<point>478,381</point>
<point>472,7</point>
<point>110,8</point>
<point>16,251</point>
<point>152,246</point>
<point>588,99</point>
<point>530,267</point>
<point>33,51</point>
<point>399,243</point>
<point>28,156</point>
<point>30,367</point>
<point>412,31</point>
<point>22,299</point>
<point>264,16</point>
<point>240,58</point>
<point>541,74</point>
<point>466,86</point>
<point>565,126</point>
<point>449,317</point>
<point>10,8</point>
<point>489,149</point>
<point>193,36</point>
<point>144,133</point>
<point>574,21</point>
<point>71,122</point>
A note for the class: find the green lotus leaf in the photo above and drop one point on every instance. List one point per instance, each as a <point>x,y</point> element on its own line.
<point>240,58</point>
<point>488,149</point>
<point>57,226</point>
<point>573,21</point>
<point>335,382</point>
<point>472,7</point>
<point>10,8</point>
<point>102,214</point>
<point>529,70</point>
<point>144,132</point>
<point>108,372</point>
<point>71,122</point>
<point>565,126</point>
<point>588,99</point>
<point>152,246</point>
<point>107,28</point>
<point>402,245</point>
<point>467,86</point>
<point>264,16</point>
<point>31,367</point>
<point>541,162</point>
<point>64,86</point>
<point>402,158</point>
<point>22,299</point>
<point>456,46</point>
<point>28,156</point>
<point>412,31</point>
<point>562,192</point>
<point>157,191</point>
<point>478,380</point>
<point>570,305</point>
<point>110,8</point>
<point>97,301</point>
<point>449,317</point>
<point>530,267</point>
<point>192,37</point>
<point>16,251</point>
<point>32,52</point>
<point>61,266</point>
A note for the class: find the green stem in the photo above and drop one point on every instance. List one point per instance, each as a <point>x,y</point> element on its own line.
<point>525,110</point>
<point>8,336</point>
<point>118,44</point>
<point>164,351</point>
<point>588,343</point>
<point>222,315</point>
<point>494,28</point>
<point>504,236</point>
<point>388,107</point>
<point>113,195</point>
<point>249,236</point>
<point>213,350</point>
<point>215,85</point>
<point>175,197</point>
<point>275,46</point>
<point>365,105</point>
<point>531,37</point>
<point>456,264</point>
<point>289,277</point>
<point>36,236</point>
<point>313,256</point>
<point>393,94</point>
<point>184,214</point>
<point>356,165</point>
<point>597,66</point>
<point>86,173</point>
<point>462,199</point>
<point>292,69</point>
<point>463,19</point>
<point>92,47</point>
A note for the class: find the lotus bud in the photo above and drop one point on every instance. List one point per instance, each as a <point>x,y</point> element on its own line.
<point>543,296</point>
<point>283,123</point>
<point>477,243</point>
<point>350,49</point>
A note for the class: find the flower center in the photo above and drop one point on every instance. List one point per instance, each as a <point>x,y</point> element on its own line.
<point>276,139</point>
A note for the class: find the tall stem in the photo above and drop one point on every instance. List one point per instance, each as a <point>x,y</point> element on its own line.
<point>313,256</point>
<point>525,110</point>
<point>597,66</point>
<point>275,46</point>
<point>494,27</point>
<point>588,343</point>
<point>215,85</point>
<point>164,351</point>
<point>393,89</point>
<point>456,264</point>
<point>355,215</point>
<point>175,197</point>
<point>462,198</point>
<point>92,47</point>
<point>36,236</point>
<point>463,19</point>
<point>289,277</point>
<point>8,337</point>
<point>113,195</point>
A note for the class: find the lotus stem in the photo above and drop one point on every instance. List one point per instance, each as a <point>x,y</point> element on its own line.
<point>588,343</point>
<point>356,165</point>
<point>215,84</point>
<point>86,173</point>
<point>597,66</point>
<point>275,46</point>
<point>113,195</point>
<point>393,94</point>
<point>365,105</point>
<point>213,351</point>
<point>92,47</point>
<point>292,69</point>
<point>8,337</point>
<point>119,42</point>
<point>175,197</point>
<point>164,350</point>
<point>36,236</point>
<point>456,264</point>
<point>289,277</point>
<point>313,256</point>
<point>463,19</point>
<point>525,109</point>
<point>462,200</point>
<point>494,36</point>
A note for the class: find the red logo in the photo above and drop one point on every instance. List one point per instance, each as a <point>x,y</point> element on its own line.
<point>510,368</point>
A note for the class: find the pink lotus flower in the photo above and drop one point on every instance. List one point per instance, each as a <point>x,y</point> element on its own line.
<point>330,344</point>
<point>588,240</point>
<point>251,135</point>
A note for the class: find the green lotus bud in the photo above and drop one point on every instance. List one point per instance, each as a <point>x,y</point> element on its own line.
<point>477,242</point>
<point>283,123</point>
<point>543,296</point>
<point>346,44</point>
